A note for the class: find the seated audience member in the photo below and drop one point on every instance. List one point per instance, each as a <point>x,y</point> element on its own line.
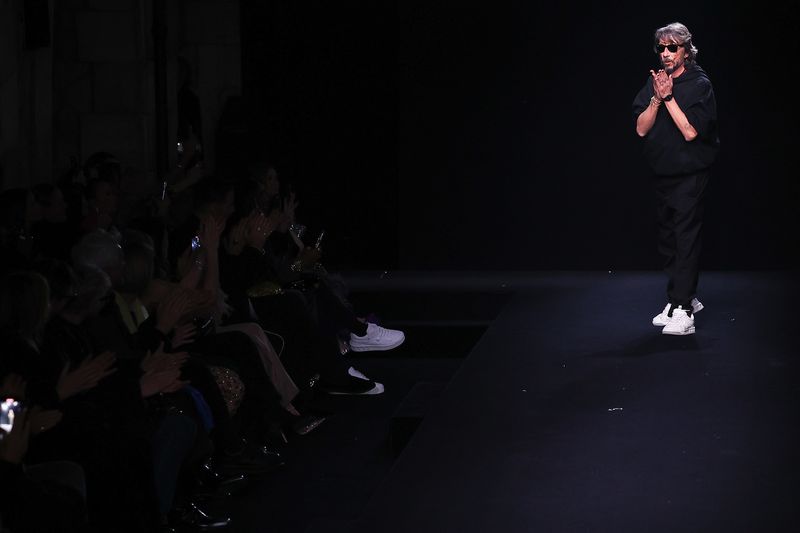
<point>231,349</point>
<point>195,267</point>
<point>58,390</point>
<point>124,326</point>
<point>130,412</point>
<point>140,343</point>
<point>288,311</point>
<point>102,204</point>
<point>103,166</point>
<point>295,263</point>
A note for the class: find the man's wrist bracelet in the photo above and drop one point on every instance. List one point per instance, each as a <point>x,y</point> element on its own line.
<point>655,101</point>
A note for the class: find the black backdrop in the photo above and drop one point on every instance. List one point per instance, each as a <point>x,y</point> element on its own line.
<point>499,135</point>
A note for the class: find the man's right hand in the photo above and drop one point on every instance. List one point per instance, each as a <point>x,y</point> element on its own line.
<point>662,83</point>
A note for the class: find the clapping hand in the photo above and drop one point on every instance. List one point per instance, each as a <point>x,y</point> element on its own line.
<point>86,376</point>
<point>212,228</point>
<point>174,305</point>
<point>259,227</point>
<point>234,244</point>
<point>183,335</point>
<point>43,419</point>
<point>289,206</point>
<point>159,360</point>
<point>256,230</point>
<point>162,372</point>
<point>662,83</point>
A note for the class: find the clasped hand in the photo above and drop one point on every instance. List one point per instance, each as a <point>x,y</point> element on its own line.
<point>662,83</point>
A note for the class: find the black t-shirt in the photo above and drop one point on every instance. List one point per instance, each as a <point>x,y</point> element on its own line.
<point>665,149</point>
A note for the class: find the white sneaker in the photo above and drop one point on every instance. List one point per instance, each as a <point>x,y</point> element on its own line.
<point>354,387</point>
<point>662,319</point>
<point>374,391</point>
<point>357,373</point>
<point>377,389</point>
<point>681,323</point>
<point>376,339</point>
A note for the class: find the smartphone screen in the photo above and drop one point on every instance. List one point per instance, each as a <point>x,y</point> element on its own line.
<point>9,409</point>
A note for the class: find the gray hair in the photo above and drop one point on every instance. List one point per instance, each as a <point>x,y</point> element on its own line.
<point>99,249</point>
<point>679,34</point>
<point>92,287</point>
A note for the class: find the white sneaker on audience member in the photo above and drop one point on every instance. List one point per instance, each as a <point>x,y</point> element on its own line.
<point>681,323</point>
<point>377,389</point>
<point>663,317</point>
<point>356,373</point>
<point>376,339</point>
<point>356,386</point>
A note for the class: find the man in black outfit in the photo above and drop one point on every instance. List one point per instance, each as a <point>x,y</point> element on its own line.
<point>676,116</point>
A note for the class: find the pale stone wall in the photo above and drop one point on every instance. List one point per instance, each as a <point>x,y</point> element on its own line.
<point>93,89</point>
<point>25,103</point>
<point>210,41</point>
<point>103,86</point>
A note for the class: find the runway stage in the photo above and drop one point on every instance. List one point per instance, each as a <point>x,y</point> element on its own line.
<point>573,413</point>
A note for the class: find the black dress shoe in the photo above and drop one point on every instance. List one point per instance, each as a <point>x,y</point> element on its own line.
<point>211,484</point>
<point>351,386</point>
<point>305,424</point>
<point>193,518</point>
<point>274,436</point>
<point>249,459</point>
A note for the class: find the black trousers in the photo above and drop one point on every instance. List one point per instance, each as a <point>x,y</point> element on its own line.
<point>309,349</point>
<point>680,223</point>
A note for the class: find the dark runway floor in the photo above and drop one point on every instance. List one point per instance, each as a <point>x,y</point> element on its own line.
<point>570,413</point>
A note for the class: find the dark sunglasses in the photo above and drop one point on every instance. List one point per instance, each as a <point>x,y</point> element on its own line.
<point>671,47</point>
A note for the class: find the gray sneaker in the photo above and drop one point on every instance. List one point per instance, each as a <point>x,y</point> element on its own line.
<point>663,318</point>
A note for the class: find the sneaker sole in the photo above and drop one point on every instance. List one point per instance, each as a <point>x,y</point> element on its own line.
<point>381,348</point>
<point>374,391</point>
<point>661,323</point>
<point>689,331</point>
